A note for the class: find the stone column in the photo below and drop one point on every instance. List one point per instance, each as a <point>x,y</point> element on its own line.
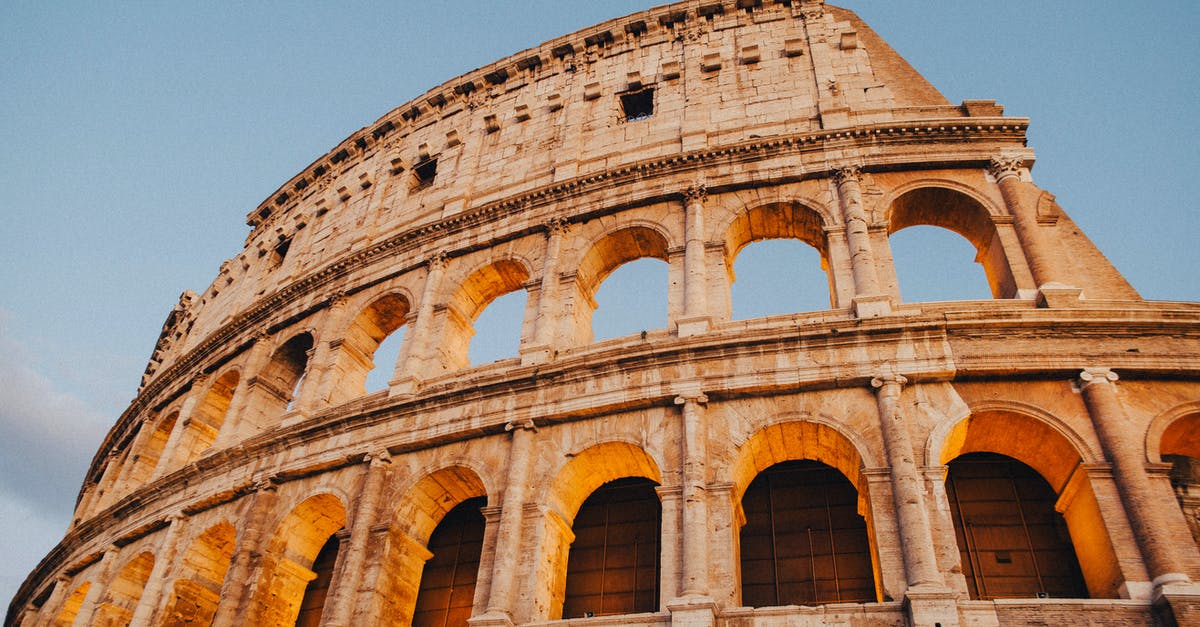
<point>695,505</point>
<point>167,459</point>
<point>344,592</point>
<point>260,354</point>
<point>1122,446</point>
<point>415,352</point>
<point>671,572</point>
<point>542,349</point>
<point>53,605</point>
<point>916,537</point>
<point>696,318</point>
<point>508,537</point>
<point>164,561</point>
<point>322,371</point>
<point>240,581</point>
<point>869,300</point>
<point>99,587</point>
<point>1052,282</point>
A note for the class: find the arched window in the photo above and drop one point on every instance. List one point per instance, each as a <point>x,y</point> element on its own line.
<point>207,420</point>
<point>465,315</point>
<point>1012,542</point>
<point>273,391</point>
<point>125,591</point>
<point>363,363</point>
<point>290,562</point>
<point>613,565</point>
<point>1180,447</point>
<point>317,590</point>
<point>804,542</point>
<point>194,596</point>
<point>498,329</point>
<point>447,590</point>
<point>632,299</point>
<point>778,276</point>
<point>934,264</point>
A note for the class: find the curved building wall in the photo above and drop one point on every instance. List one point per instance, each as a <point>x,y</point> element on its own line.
<point>254,463</point>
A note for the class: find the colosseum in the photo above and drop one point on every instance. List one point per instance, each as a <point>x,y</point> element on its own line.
<point>1033,458</point>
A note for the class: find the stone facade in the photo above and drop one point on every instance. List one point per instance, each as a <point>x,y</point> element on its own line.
<point>683,133</point>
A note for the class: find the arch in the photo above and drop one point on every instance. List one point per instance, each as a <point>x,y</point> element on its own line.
<point>125,590</point>
<point>593,467</point>
<point>482,286</point>
<point>286,565</point>
<point>804,439</point>
<point>448,580</point>
<point>958,209</point>
<point>423,506</point>
<point>1055,453</point>
<point>72,604</point>
<point>202,427</point>
<point>140,465</point>
<point>196,592</point>
<point>271,392</point>
<point>355,356</point>
<point>1174,432</point>
<point>779,220</point>
<point>612,249</point>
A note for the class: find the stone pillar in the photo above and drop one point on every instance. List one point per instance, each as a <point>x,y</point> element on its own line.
<point>926,597</point>
<point>241,580</point>
<point>696,318</point>
<point>508,537</point>
<point>98,589</point>
<point>670,558</point>
<point>869,300</point>
<point>164,561</point>
<point>322,372</point>
<point>542,349</point>
<point>344,591</point>
<point>841,278</point>
<point>1161,545</point>
<point>167,459</point>
<point>260,354</point>
<point>53,605</point>
<point>695,505</point>
<point>1052,283</point>
<point>415,352</point>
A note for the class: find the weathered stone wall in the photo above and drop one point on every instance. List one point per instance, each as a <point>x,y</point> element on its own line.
<point>254,440</point>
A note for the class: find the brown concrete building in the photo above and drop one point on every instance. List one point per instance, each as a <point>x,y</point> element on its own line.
<point>1030,458</point>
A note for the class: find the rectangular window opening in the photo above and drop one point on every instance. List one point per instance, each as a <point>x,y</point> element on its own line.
<point>424,173</point>
<point>638,105</point>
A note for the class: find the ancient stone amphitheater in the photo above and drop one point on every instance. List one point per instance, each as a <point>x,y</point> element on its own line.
<point>1029,458</point>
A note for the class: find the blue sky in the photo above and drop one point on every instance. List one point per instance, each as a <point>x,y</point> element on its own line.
<point>136,136</point>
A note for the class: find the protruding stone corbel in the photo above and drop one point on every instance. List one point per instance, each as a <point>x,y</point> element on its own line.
<point>523,424</point>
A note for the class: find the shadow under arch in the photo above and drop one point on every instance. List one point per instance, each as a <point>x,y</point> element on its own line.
<point>1058,455</point>
<point>793,220</point>
<point>271,391</point>
<point>355,355</point>
<point>201,430</point>
<point>419,511</point>
<point>960,209</point>
<point>287,563</point>
<point>468,299</point>
<point>196,592</point>
<point>124,591</point>
<point>611,250</point>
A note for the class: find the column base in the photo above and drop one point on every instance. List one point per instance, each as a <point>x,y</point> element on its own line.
<point>404,386</point>
<point>1176,601</point>
<point>933,606</point>
<point>1136,590</point>
<point>491,619</point>
<point>693,610</point>
<point>871,306</point>
<point>535,355</point>
<point>688,327</point>
<point>1058,296</point>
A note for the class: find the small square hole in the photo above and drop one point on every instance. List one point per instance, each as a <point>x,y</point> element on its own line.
<point>638,105</point>
<point>424,173</point>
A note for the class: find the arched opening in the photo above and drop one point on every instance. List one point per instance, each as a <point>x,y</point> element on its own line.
<point>447,593</point>
<point>195,594</point>
<point>786,268</point>
<point>317,590</point>
<point>926,256</point>
<point>632,299</point>
<point>1011,541</point>
<point>288,565</point>
<point>804,541</point>
<point>207,419</point>
<point>933,264</point>
<point>70,608</point>
<point>498,329</point>
<point>125,591</point>
<point>1056,460</point>
<point>613,565</point>
<point>613,251</point>
<point>476,294</point>
<point>1180,447</point>
<point>273,391</point>
<point>147,459</point>
<point>359,364</point>
<point>411,546</point>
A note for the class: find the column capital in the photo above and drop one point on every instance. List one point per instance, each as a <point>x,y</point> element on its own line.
<point>1091,376</point>
<point>1004,166</point>
<point>881,380</point>
<point>337,299</point>
<point>525,424</point>
<point>696,398</point>
<point>847,173</point>
<point>437,261</point>
<point>556,225</point>
<point>696,192</point>
<point>375,460</point>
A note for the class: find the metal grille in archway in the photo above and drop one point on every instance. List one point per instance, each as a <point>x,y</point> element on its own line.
<point>448,580</point>
<point>804,542</point>
<point>1012,542</point>
<point>613,565</point>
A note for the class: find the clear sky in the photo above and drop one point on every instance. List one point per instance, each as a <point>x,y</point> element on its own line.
<point>134,138</point>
